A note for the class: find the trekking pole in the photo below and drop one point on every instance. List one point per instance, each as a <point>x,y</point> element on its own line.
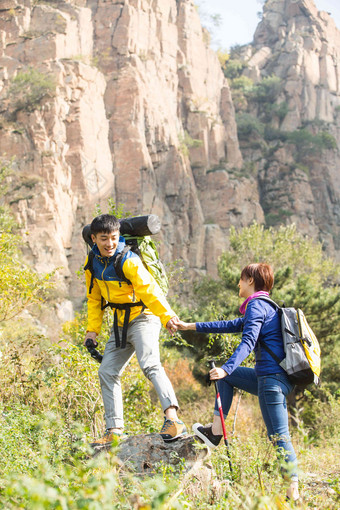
<point>220,410</point>
<point>89,344</point>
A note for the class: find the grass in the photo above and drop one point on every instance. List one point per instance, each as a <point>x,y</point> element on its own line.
<point>257,482</point>
<point>46,426</point>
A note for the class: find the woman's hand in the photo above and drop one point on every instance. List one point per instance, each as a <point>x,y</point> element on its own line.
<point>217,373</point>
<point>184,326</point>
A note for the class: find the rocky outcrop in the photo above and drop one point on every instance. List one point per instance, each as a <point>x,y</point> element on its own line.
<point>144,453</point>
<point>125,100</point>
<point>148,455</point>
<point>298,182</point>
<point>141,113</point>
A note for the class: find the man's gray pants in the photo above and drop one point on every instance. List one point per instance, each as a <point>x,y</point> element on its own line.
<point>142,339</point>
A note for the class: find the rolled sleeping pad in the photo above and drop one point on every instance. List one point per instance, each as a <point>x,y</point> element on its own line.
<point>138,226</point>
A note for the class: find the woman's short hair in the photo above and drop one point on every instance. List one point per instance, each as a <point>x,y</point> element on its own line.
<point>262,274</point>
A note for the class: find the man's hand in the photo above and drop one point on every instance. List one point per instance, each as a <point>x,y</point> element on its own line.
<point>171,325</point>
<point>92,335</point>
<point>217,373</point>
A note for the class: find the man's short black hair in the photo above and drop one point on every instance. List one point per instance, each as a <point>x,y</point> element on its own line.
<point>104,223</point>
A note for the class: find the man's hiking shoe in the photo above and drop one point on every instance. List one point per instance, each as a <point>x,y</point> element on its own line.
<point>108,438</point>
<point>205,433</point>
<point>172,430</point>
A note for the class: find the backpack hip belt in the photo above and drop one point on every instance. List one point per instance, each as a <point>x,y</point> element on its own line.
<point>122,306</point>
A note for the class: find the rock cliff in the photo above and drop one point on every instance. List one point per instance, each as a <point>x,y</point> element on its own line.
<point>298,172</point>
<point>124,99</point>
<point>139,112</point>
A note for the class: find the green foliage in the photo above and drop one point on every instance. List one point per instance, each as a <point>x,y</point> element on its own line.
<point>320,424</point>
<point>117,210</point>
<point>235,64</point>
<point>20,286</point>
<point>52,475</point>
<point>223,57</point>
<point>243,83</point>
<point>28,88</point>
<point>304,278</point>
<point>187,142</point>
<point>308,144</point>
<point>249,126</point>
<point>234,68</point>
<point>327,141</point>
<point>267,90</point>
<point>278,217</point>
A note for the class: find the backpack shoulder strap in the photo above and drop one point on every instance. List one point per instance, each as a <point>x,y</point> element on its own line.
<point>269,300</point>
<point>268,349</point>
<point>118,264</point>
<point>89,266</point>
<point>261,342</point>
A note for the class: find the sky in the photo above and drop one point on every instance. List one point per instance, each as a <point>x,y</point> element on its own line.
<point>239,18</point>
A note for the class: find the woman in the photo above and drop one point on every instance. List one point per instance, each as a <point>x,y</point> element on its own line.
<point>268,380</point>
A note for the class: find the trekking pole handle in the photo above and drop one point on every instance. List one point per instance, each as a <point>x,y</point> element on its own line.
<point>212,364</point>
<point>89,344</point>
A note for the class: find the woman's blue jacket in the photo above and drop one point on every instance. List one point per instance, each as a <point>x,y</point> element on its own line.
<point>261,321</point>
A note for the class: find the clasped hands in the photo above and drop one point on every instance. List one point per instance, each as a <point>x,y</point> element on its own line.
<point>175,324</point>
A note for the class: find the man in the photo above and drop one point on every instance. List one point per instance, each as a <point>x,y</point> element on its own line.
<point>140,308</point>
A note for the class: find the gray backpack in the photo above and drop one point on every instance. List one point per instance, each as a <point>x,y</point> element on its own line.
<point>302,360</point>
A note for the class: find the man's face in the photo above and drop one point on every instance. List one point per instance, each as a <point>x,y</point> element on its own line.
<point>107,243</point>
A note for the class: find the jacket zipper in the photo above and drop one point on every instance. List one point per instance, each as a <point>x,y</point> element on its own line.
<point>106,285</point>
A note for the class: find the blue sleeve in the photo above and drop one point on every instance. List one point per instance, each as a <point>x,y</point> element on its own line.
<point>234,326</point>
<point>253,320</point>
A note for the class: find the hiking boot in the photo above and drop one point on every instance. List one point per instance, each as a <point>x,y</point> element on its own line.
<point>205,433</point>
<point>108,438</point>
<point>172,430</point>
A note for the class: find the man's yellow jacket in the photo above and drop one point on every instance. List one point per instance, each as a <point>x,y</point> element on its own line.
<point>109,287</point>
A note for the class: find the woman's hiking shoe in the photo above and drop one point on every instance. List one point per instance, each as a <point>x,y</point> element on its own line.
<point>109,438</point>
<point>172,430</point>
<point>205,433</point>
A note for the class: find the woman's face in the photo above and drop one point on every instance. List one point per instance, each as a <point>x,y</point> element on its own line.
<point>247,287</point>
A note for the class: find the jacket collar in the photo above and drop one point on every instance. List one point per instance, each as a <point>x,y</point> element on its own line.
<point>243,307</point>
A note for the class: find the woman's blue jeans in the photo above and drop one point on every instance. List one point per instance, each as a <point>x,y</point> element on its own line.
<point>272,391</point>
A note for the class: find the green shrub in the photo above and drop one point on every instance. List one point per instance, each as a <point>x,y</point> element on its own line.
<point>249,126</point>
<point>186,142</point>
<point>233,68</point>
<point>24,432</point>
<point>327,141</point>
<point>242,83</point>
<point>308,144</point>
<point>277,217</point>
<point>304,278</point>
<point>28,88</point>
<point>267,90</point>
